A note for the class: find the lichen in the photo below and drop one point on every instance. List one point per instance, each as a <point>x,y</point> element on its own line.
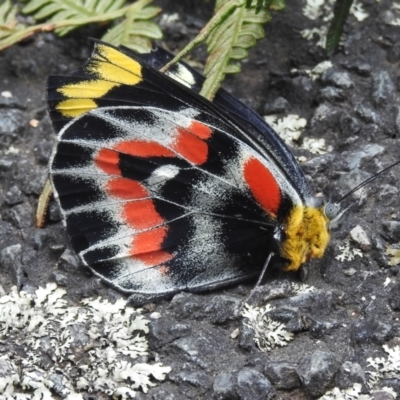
<point>51,347</point>
<point>347,252</point>
<point>268,333</point>
<point>289,128</point>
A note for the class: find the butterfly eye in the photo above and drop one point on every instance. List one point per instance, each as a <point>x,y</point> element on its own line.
<point>331,210</point>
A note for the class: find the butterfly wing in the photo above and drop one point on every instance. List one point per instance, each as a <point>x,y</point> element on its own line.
<point>159,190</point>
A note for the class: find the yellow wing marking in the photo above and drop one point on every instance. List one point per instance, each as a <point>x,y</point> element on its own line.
<point>86,89</point>
<point>74,107</point>
<point>111,69</point>
<point>113,73</point>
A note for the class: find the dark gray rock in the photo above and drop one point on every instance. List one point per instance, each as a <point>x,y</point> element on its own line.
<point>349,125</point>
<point>350,373</point>
<point>318,164</point>
<point>12,123</point>
<point>69,261</point>
<point>14,196</point>
<point>165,330</point>
<point>366,114</point>
<point>163,394</point>
<point>319,329</point>
<point>21,215</point>
<point>252,385</point>
<point>299,323</point>
<point>246,337</point>
<point>6,164</point>
<point>60,279</point>
<point>350,180</point>
<point>43,151</point>
<point>331,94</point>
<point>394,297</point>
<point>393,383</point>
<point>40,239</point>
<point>11,261</point>
<point>361,68</point>
<point>11,102</point>
<point>279,105</point>
<point>78,335</point>
<point>224,387</point>
<point>302,89</point>
<point>224,308</point>
<point>381,395</point>
<point>383,88</point>
<point>368,152</point>
<point>272,290</point>
<point>388,195</point>
<point>324,116</point>
<point>200,350</point>
<point>337,78</point>
<point>54,212</point>
<point>316,372</point>
<point>371,331</point>
<point>188,305</point>
<point>312,302</point>
<point>283,375</point>
<point>58,386</point>
<point>391,230</point>
<point>5,231</point>
<point>199,379</point>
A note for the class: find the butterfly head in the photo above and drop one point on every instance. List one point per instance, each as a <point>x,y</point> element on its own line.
<point>307,231</point>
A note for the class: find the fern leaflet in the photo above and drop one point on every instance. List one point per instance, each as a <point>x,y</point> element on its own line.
<point>135,31</point>
<point>61,10</point>
<point>8,19</point>
<point>230,41</point>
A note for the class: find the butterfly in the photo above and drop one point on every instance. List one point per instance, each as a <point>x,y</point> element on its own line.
<point>161,190</point>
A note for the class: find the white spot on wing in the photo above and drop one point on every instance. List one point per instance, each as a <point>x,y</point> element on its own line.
<point>182,75</point>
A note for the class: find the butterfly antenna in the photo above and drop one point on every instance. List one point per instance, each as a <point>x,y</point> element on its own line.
<point>370,179</point>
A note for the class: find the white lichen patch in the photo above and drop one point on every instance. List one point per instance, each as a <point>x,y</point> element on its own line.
<point>320,68</point>
<point>268,333</point>
<point>393,16</point>
<point>302,288</point>
<point>314,146</point>
<point>353,393</point>
<point>321,11</point>
<point>348,252</point>
<point>381,368</point>
<point>289,128</point>
<point>394,255</point>
<point>51,348</point>
<point>384,368</point>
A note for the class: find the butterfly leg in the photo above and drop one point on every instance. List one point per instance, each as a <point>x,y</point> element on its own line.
<point>261,277</point>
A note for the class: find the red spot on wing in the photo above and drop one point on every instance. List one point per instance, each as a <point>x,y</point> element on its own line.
<point>127,189</point>
<point>107,160</point>
<point>262,185</point>
<point>141,214</point>
<point>200,130</point>
<point>146,246</point>
<point>143,149</point>
<point>191,147</point>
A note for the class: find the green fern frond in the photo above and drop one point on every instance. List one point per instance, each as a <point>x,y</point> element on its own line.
<point>60,10</point>
<point>267,4</point>
<point>230,42</point>
<point>341,11</point>
<point>8,19</point>
<point>135,30</point>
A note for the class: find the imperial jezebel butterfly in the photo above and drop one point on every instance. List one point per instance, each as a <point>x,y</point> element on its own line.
<point>161,190</point>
